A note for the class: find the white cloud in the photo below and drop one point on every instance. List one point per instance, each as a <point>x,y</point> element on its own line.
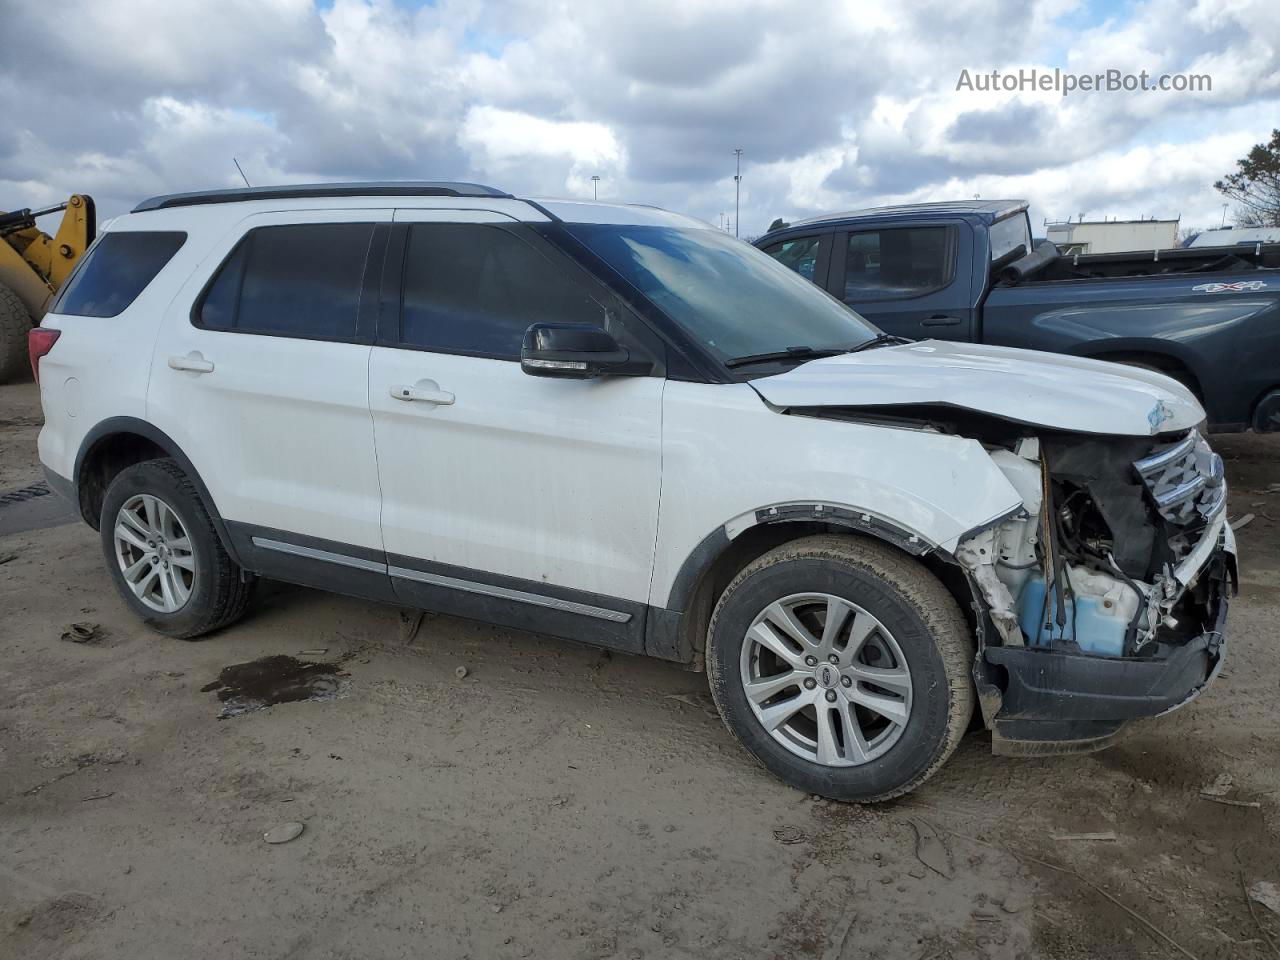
<point>836,104</point>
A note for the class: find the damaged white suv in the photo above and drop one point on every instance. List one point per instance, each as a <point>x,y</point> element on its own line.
<point>617,425</point>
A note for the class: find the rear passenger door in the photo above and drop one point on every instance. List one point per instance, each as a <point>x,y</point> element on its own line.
<point>906,280</point>
<point>261,375</point>
<point>515,499</point>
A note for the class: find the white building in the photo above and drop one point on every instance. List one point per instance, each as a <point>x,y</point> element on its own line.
<point>1112,236</point>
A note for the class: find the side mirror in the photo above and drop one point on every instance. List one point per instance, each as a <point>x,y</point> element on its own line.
<point>576,351</point>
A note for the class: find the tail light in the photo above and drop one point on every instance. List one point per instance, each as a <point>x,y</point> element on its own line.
<point>39,342</point>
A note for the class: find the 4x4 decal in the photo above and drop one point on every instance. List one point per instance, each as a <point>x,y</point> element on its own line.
<point>1240,286</point>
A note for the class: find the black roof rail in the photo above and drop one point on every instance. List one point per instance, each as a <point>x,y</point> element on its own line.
<point>380,188</point>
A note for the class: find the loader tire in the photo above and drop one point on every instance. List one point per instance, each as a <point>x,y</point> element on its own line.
<point>15,323</point>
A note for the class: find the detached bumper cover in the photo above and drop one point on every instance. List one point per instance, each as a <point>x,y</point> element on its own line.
<point>1062,702</point>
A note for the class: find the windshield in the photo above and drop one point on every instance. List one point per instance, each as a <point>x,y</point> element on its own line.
<point>733,298</point>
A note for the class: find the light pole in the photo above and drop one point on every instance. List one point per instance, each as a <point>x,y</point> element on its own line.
<point>1224,217</point>
<point>595,184</point>
<point>737,186</point>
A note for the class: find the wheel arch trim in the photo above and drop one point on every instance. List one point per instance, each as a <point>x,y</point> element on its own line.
<point>105,430</point>
<point>854,519</point>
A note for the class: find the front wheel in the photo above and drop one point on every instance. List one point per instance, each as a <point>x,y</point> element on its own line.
<point>843,666</point>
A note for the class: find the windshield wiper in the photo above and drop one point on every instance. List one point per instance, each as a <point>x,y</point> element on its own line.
<point>809,353</point>
<point>880,340</point>
<point>791,353</point>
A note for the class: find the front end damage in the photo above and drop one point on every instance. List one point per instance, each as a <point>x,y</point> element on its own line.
<point>1102,598</point>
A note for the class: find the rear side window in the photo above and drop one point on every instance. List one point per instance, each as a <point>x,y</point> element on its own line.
<point>296,280</point>
<point>801,254</point>
<point>895,264</point>
<point>117,269</point>
<point>475,289</point>
<point>1006,234</point>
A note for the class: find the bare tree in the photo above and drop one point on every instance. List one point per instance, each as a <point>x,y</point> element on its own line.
<point>1256,185</point>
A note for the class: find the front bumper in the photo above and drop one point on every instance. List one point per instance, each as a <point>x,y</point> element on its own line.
<point>1055,701</point>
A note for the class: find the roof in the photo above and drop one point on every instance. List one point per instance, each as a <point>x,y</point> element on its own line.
<point>985,210</point>
<point>572,210</point>
<point>380,188</point>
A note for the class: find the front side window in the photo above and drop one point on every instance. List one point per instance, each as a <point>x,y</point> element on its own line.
<point>297,280</point>
<point>895,264</point>
<point>116,270</point>
<point>736,300</point>
<point>800,255</point>
<point>475,289</point>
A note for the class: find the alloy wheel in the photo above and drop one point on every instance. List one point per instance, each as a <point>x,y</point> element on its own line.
<point>826,679</point>
<point>154,553</point>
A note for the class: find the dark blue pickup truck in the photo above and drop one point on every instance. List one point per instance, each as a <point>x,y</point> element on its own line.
<point>969,270</point>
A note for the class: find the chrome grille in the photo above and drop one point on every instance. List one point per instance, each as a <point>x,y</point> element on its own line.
<point>1185,480</point>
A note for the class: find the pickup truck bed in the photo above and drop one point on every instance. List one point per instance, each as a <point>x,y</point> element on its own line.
<point>1208,317</point>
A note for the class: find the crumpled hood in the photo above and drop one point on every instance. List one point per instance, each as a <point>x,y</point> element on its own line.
<point>1047,389</point>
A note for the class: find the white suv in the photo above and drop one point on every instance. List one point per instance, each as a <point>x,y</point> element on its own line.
<point>617,425</point>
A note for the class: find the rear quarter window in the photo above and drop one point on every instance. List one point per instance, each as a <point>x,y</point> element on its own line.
<point>115,271</point>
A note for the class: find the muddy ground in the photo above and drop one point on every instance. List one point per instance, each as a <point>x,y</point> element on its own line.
<point>563,803</point>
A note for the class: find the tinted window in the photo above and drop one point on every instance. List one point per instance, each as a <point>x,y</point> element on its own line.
<point>116,271</point>
<point>1008,233</point>
<point>300,280</point>
<point>800,255</point>
<point>733,298</point>
<point>891,264</point>
<point>470,288</point>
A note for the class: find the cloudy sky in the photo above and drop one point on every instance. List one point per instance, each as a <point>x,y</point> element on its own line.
<point>835,103</point>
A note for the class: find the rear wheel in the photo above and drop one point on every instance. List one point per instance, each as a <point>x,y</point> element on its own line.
<point>164,555</point>
<point>843,666</point>
<point>15,324</point>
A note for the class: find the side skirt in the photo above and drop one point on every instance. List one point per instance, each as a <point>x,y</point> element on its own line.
<point>601,621</point>
<point>523,604</point>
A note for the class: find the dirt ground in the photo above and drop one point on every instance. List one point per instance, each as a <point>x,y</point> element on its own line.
<point>559,802</point>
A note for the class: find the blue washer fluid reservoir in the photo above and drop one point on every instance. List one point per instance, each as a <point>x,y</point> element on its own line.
<point>1100,619</point>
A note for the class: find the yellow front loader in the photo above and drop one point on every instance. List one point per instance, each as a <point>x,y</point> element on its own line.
<point>33,267</point>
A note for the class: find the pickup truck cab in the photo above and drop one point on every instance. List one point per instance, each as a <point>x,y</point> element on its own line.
<point>969,271</point>
<point>594,421</point>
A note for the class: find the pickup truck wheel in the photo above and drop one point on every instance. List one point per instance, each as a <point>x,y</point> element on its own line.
<point>15,324</point>
<point>164,555</point>
<point>843,666</point>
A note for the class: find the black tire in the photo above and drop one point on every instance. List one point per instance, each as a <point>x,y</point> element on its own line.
<point>219,590</point>
<point>15,324</point>
<point>910,602</point>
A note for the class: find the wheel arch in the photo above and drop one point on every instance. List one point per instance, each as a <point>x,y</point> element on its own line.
<point>120,442</point>
<point>675,629</point>
<point>1158,355</point>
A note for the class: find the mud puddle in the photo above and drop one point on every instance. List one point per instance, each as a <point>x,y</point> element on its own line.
<point>258,684</point>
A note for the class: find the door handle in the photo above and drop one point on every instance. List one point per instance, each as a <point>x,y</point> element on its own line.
<point>194,362</point>
<point>938,320</point>
<point>428,391</point>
